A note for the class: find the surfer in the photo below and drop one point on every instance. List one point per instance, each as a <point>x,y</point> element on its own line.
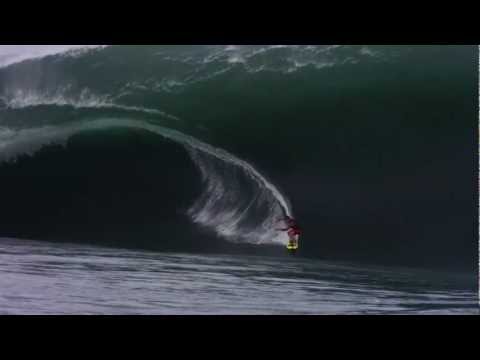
<point>293,231</point>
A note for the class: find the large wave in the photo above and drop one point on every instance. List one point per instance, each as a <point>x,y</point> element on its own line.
<point>346,133</point>
<point>225,205</point>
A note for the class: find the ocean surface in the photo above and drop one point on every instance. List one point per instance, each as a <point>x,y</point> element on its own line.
<point>44,278</point>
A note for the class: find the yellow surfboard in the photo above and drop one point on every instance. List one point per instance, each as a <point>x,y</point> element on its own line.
<point>292,245</point>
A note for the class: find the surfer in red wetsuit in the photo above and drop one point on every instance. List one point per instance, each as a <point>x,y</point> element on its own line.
<point>292,229</point>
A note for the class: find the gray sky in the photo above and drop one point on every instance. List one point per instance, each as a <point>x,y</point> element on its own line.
<point>10,54</point>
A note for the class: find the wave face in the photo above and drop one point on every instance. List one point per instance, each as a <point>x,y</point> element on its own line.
<point>226,135</point>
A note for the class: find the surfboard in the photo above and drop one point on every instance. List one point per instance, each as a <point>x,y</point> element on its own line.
<point>292,246</point>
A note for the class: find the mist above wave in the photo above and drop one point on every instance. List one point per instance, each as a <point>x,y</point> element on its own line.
<point>11,54</point>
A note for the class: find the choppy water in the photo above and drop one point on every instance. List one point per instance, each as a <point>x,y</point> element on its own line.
<point>45,278</point>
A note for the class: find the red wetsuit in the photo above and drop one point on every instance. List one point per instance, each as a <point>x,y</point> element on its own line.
<point>293,230</point>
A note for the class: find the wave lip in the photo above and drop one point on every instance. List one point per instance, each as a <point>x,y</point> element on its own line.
<point>85,100</point>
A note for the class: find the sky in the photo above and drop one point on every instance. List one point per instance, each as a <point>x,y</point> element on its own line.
<point>10,54</point>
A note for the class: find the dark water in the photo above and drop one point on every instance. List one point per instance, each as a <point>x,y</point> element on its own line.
<point>45,278</point>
